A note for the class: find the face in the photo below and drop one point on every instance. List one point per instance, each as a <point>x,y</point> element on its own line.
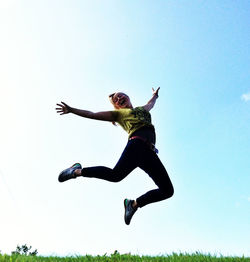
<point>121,100</point>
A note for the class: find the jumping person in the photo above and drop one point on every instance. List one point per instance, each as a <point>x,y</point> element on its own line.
<point>140,150</point>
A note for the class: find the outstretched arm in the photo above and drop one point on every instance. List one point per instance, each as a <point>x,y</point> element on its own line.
<point>63,109</point>
<point>152,101</point>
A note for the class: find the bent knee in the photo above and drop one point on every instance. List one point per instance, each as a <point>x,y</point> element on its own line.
<point>117,177</point>
<point>171,192</point>
<point>168,191</point>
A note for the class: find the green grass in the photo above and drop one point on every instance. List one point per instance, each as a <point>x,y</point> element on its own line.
<point>116,257</point>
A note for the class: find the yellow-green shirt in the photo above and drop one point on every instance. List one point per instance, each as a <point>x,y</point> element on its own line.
<point>132,119</point>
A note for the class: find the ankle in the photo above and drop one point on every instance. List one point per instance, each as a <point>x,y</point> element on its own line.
<point>135,205</point>
<point>78,172</point>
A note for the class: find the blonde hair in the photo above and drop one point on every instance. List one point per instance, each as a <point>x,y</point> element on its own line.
<point>111,99</point>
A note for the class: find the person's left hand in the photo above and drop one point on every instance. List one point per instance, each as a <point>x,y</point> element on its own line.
<point>155,92</point>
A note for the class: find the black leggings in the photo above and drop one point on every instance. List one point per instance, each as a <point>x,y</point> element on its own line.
<point>137,154</point>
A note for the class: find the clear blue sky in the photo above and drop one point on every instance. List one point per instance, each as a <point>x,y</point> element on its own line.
<point>80,52</point>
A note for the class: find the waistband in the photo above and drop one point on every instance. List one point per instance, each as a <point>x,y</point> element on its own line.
<point>151,145</point>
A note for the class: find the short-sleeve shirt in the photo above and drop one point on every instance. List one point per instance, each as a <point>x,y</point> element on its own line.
<point>133,120</point>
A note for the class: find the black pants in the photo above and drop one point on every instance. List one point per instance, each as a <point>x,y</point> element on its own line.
<point>137,154</point>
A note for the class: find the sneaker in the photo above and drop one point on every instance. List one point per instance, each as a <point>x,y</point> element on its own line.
<point>69,173</point>
<point>129,210</point>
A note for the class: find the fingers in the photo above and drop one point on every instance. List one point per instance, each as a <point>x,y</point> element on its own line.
<point>61,112</point>
<point>155,92</point>
<point>65,104</point>
<point>156,89</point>
<point>62,104</point>
<point>62,109</point>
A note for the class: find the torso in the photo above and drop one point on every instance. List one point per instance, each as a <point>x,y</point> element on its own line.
<point>136,122</point>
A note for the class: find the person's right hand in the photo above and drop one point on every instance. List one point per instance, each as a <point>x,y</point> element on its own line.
<point>63,108</point>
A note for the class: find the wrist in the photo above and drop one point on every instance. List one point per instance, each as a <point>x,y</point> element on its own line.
<point>71,109</point>
<point>155,95</point>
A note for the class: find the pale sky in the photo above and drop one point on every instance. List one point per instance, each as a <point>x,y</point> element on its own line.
<point>81,51</point>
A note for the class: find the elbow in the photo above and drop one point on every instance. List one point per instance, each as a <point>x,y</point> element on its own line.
<point>90,115</point>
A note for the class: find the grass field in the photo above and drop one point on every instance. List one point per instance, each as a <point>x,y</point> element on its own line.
<point>116,257</point>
